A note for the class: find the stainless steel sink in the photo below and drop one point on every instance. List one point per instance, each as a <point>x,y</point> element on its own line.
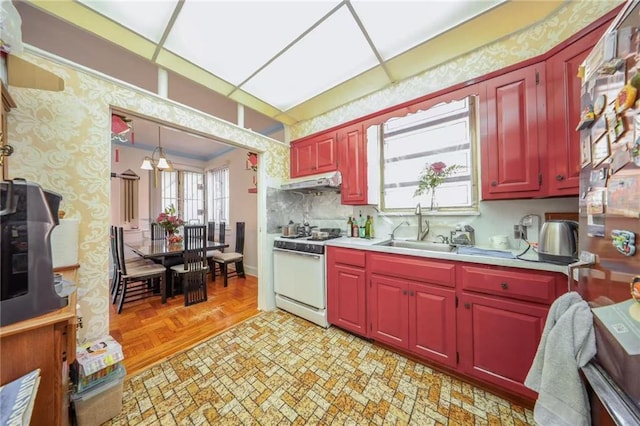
<point>418,245</point>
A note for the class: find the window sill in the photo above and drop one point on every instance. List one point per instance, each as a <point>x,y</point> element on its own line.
<point>411,212</point>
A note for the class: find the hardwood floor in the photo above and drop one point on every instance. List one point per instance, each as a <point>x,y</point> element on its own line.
<point>150,332</point>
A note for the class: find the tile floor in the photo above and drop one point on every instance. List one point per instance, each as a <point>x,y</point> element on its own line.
<point>277,369</point>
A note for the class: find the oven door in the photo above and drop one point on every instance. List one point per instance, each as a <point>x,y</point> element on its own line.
<point>300,276</point>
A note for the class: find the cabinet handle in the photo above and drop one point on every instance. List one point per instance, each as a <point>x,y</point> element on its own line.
<point>560,177</point>
<point>404,292</point>
<point>494,183</point>
<point>504,286</point>
<point>467,305</point>
<point>411,293</point>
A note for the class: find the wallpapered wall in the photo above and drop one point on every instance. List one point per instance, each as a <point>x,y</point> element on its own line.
<point>62,142</point>
<point>530,42</point>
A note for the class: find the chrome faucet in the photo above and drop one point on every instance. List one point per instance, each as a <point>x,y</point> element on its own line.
<point>394,229</point>
<point>443,239</point>
<point>421,234</point>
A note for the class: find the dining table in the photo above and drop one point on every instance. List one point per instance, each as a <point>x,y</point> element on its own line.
<point>168,254</point>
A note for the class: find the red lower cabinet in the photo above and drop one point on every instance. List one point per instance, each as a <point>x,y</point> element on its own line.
<point>389,310</point>
<point>414,316</point>
<point>346,289</point>
<point>432,323</point>
<point>498,339</point>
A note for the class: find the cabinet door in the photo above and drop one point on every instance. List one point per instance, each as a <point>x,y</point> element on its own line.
<point>432,323</point>
<point>498,339</point>
<point>302,159</point>
<point>326,154</point>
<point>318,154</point>
<point>563,98</point>
<point>510,164</point>
<point>388,310</point>
<point>353,166</point>
<point>346,307</point>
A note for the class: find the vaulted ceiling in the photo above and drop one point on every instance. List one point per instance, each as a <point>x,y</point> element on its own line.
<point>294,60</point>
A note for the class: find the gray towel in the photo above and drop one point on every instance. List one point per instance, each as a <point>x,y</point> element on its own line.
<point>568,343</point>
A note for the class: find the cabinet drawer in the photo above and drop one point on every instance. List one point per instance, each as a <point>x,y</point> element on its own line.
<point>533,286</point>
<point>348,256</point>
<point>413,268</point>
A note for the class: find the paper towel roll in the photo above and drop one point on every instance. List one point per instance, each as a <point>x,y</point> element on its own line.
<point>64,243</point>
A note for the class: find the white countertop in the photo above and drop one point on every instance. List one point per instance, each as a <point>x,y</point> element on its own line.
<point>531,263</point>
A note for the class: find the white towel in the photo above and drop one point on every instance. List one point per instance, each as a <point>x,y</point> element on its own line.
<point>567,343</point>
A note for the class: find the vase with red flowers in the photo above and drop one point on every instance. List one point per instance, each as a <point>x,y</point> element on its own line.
<point>432,176</point>
<point>170,222</point>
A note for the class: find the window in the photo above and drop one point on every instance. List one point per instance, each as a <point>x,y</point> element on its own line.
<point>169,189</point>
<point>185,190</point>
<point>218,200</point>
<point>445,133</point>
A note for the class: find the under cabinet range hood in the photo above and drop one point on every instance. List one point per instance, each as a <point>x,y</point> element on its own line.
<point>322,182</point>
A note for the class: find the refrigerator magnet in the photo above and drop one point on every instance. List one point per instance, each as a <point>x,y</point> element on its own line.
<point>585,150</point>
<point>619,159</point>
<point>624,241</point>
<point>623,195</point>
<point>599,104</point>
<point>635,152</point>
<point>598,128</point>
<point>600,150</point>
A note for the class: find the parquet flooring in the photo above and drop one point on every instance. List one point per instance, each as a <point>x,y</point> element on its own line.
<point>151,332</point>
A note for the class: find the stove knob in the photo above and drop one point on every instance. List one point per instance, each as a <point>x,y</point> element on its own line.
<point>308,248</point>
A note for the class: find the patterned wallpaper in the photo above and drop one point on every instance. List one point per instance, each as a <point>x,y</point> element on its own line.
<point>62,142</point>
<point>530,42</point>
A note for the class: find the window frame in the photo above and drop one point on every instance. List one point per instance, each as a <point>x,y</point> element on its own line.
<point>210,199</point>
<point>474,148</point>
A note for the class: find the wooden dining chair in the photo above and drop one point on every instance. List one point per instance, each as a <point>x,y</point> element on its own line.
<point>211,231</point>
<point>137,281</point>
<point>134,261</point>
<point>157,233</point>
<point>192,273</point>
<point>236,257</point>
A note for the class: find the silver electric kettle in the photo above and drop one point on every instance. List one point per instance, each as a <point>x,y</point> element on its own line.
<point>559,242</point>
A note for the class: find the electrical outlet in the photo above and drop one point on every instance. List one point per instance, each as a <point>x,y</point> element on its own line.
<point>519,232</point>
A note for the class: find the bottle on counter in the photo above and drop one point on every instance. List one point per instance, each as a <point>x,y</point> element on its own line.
<point>355,229</point>
<point>367,227</point>
<point>372,232</point>
<point>349,227</point>
<point>361,224</point>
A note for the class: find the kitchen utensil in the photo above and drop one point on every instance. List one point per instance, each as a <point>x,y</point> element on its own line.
<point>559,242</point>
<point>500,242</point>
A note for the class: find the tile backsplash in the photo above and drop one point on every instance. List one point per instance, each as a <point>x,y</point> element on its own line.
<point>495,217</point>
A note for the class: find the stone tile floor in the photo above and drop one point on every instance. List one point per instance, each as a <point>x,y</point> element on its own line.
<point>277,369</point>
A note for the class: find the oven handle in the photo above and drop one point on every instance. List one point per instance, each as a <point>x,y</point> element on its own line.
<point>298,253</point>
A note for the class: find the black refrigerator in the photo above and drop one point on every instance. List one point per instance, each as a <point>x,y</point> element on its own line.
<point>608,276</point>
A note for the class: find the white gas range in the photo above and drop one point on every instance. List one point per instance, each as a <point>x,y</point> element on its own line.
<point>299,276</point>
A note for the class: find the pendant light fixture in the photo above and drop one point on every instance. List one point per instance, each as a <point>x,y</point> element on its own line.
<point>159,163</point>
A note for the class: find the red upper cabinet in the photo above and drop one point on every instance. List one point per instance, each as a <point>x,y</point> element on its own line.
<point>353,165</point>
<point>563,115</point>
<point>317,154</point>
<point>512,106</point>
